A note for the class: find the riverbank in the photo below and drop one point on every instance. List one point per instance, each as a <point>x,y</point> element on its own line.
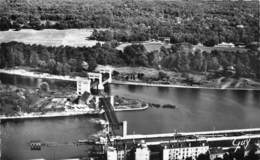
<point>214,85</point>
<point>145,76</point>
<point>122,103</point>
<point>26,103</point>
<point>129,108</point>
<point>50,115</point>
<point>174,86</point>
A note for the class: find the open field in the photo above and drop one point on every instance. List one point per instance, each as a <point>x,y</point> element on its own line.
<point>50,37</point>
<point>149,45</point>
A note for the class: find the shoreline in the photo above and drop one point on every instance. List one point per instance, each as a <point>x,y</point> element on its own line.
<point>52,115</point>
<point>25,73</point>
<point>177,86</point>
<point>131,109</point>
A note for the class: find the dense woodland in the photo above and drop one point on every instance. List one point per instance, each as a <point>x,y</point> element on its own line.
<point>185,22</point>
<point>179,58</point>
<point>190,21</point>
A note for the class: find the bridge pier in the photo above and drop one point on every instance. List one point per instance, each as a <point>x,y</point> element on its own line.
<point>97,102</point>
<point>100,85</point>
<point>109,71</point>
<point>112,100</point>
<point>124,128</point>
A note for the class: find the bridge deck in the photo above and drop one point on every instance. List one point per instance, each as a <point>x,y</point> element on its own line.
<point>110,113</point>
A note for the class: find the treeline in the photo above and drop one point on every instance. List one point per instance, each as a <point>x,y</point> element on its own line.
<point>57,60</point>
<point>179,58</point>
<point>120,35</point>
<point>183,21</point>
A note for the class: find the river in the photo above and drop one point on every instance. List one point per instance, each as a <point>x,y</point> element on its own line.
<point>197,110</point>
<point>60,133</point>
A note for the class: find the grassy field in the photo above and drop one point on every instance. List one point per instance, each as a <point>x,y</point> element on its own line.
<point>149,46</point>
<point>50,37</point>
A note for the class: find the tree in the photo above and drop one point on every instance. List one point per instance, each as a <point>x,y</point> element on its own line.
<point>34,59</point>
<point>52,66</point>
<point>198,60</point>
<point>10,57</point>
<point>35,22</point>
<point>5,24</point>
<point>252,154</point>
<point>72,62</point>
<point>203,156</point>
<point>135,55</point>
<point>162,75</point>
<point>66,69</point>
<point>19,58</point>
<point>18,23</point>
<point>183,62</point>
<point>211,42</point>
<point>92,63</point>
<point>59,68</point>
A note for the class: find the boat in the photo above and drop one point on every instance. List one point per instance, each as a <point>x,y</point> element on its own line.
<point>169,106</point>
<point>86,141</point>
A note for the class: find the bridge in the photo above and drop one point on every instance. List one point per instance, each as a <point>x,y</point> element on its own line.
<point>110,113</point>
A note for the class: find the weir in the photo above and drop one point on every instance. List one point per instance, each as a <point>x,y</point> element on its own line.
<point>209,136</point>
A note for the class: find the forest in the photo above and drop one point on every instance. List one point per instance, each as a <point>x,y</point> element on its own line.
<point>181,58</point>
<point>208,22</point>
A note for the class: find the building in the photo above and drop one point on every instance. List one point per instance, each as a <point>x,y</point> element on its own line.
<point>183,151</point>
<point>111,153</point>
<point>142,152</point>
<point>115,154</point>
<point>120,155</point>
<point>83,85</point>
<point>216,153</point>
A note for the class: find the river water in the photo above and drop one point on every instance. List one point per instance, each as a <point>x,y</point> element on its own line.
<point>60,133</point>
<point>197,109</point>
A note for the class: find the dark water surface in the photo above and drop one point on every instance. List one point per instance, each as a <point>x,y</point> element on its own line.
<point>197,109</point>
<point>59,133</point>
